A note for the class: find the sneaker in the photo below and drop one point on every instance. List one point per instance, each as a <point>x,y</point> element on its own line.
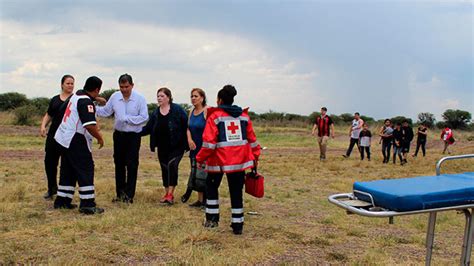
<point>186,196</point>
<point>69,206</point>
<point>49,195</point>
<point>210,224</point>
<point>91,210</point>
<point>196,204</point>
<point>163,199</point>
<point>169,199</point>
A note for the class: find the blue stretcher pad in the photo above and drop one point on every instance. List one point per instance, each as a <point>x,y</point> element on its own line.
<point>419,193</point>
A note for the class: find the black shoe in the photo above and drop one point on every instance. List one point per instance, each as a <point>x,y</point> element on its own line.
<point>237,231</point>
<point>115,200</point>
<point>49,195</point>
<point>69,206</point>
<point>210,224</point>
<point>345,156</point>
<point>186,196</point>
<point>91,210</point>
<point>196,204</point>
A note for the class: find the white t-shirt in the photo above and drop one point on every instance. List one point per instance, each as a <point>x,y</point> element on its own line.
<point>356,128</point>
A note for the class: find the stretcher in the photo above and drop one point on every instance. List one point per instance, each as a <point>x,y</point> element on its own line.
<point>416,195</point>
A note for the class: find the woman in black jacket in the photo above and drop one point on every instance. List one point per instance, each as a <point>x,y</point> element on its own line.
<point>167,128</point>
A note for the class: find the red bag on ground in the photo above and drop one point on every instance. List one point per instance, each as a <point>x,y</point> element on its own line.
<point>254,183</point>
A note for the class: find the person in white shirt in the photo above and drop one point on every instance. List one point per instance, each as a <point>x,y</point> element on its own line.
<point>131,113</point>
<point>354,132</point>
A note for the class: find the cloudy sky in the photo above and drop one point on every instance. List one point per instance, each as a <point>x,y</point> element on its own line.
<point>381,58</point>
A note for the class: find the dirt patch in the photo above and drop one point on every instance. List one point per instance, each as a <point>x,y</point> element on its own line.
<point>19,130</point>
<point>21,154</point>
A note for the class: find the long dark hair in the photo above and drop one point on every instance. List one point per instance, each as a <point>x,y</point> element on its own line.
<point>227,94</point>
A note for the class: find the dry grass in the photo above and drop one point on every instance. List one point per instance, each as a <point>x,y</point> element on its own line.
<point>296,224</point>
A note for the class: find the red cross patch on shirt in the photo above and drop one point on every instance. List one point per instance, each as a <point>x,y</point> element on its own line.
<point>90,108</point>
<point>233,130</point>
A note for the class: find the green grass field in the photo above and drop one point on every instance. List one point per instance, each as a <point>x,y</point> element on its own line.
<point>295,225</point>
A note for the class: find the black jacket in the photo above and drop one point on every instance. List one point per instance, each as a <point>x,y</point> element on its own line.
<point>178,126</point>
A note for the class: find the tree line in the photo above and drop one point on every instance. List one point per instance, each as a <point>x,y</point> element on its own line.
<point>26,112</point>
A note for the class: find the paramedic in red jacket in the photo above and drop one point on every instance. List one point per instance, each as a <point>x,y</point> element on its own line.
<point>229,146</point>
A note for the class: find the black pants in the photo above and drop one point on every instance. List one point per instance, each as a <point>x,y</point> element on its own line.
<point>169,167</point>
<point>77,165</point>
<point>51,161</point>
<point>351,146</point>
<point>367,150</point>
<point>126,153</point>
<point>236,184</point>
<point>386,147</point>
<point>420,143</point>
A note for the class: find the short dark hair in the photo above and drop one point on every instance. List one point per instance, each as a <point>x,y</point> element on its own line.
<point>324,108</point>
<point>227,94</point>
<point>92,83</point>
<point>398,124</point>
<point>125,78</point>
<point>387,120</point>
<point>405,121</point>
<point>67,76</point>
<point>167,92</point>
<point>356,113</point>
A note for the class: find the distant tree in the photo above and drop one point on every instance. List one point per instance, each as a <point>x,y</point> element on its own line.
<point>41,104</point>
<point>272,116</point>
<point>427,118</point>
<point>295,117</point>
<point>107,93</point>
<point>346,117</point>
<point>337,119</point>
<point>187,107</point>
<point>367,119</point>
<point>457,119</point>
<point>151,107</point>
<point>312,117</point>
<point>253,116</point>
<point>12,100</point>
<point>441,124</point>
<point>400,119</point>
<point>26,115</point>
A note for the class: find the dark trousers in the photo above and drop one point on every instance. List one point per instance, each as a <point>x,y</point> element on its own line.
<point>386,147</point>
<point>351,146</point>
<point>126,153</point>
<point>77,165</point>
<point>236,184</point>
<point>420,143</point>
<point>367,150</point>
<point>169,168</point>
<point>51,161</point>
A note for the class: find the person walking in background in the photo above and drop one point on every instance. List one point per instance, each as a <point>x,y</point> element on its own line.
<point>448,139</point>
<point>365,138</point>
<point>421,135</point>
<point>167,128</point>
<point>75,134</point>
<point>354,132</point>
<point>229,147</point>
<point>397,143</point>
<point>130,113</point>
<point>52,149</point>
<point>386,137</point>
<point>407,137</point>
<point>197,122</point>
<point>325,127</point>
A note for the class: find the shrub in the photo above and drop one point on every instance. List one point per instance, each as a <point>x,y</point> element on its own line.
<point>12,100</point>
<point>457,118</point>
<point>26,115</point>
<point>41,104</point>
<point>107,93</point>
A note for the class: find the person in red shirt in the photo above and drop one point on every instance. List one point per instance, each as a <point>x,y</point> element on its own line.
<point>229,146</point>
<point>448,139</point>
<point>325,127</point>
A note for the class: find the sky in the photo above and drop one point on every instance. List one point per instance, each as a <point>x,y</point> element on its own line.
<point>380,58</point>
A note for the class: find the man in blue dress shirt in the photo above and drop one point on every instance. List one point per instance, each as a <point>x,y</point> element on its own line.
<point>131,113</point>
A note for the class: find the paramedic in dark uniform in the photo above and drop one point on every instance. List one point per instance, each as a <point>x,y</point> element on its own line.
<point>75,134</point>
<point>229,146</point>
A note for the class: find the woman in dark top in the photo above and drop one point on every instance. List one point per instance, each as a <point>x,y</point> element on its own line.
<point>52,149</point>
<point>397,143</point>
<point>197,122</point>
<point>421,139</point>
<point>167,128</point>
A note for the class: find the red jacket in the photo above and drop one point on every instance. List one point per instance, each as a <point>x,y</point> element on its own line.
<point>229,142</point>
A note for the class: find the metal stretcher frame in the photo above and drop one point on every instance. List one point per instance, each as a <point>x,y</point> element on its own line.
<point>468,210</point>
